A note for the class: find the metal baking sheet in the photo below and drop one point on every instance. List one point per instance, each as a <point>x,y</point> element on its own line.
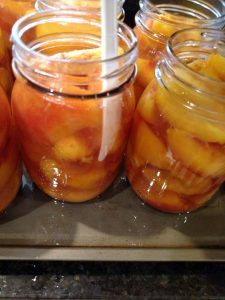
<point>116,226</point>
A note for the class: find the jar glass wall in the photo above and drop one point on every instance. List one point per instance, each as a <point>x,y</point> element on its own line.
<point>159,19</point>
<point>176,160</point>
<point>6,78</point>
<point>93,6</point>
<point>72,109</point>
<point>10,165</point>
<point>12,10</point>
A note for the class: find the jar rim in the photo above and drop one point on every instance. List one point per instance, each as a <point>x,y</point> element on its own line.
<point>16,36</point>
<point>156,11</point>
<point>176,55</point>
<point>87,72</point>
<point>212,35</point>
<point>52,4</point>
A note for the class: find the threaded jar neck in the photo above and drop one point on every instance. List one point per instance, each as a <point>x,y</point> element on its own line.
<point>177,15</point>
<point>93,6</point>
<point>183,48</point>
<point>61,51</point>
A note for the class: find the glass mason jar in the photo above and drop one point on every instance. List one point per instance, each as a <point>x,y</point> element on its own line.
<point>159,19</point>
<point>176,158</point>
<point>10,166</point>
<point>12,10</point>
<point>93,6</point>
<point>72,109</point>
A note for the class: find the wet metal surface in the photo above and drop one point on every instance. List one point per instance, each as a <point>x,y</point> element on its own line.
<point>117,219</point>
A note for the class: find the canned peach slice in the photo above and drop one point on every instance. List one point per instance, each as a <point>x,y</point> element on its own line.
<point>162,27</point>
<point>83,54</point>
<point>138,91</point>
<point>10,190</point>
<point>85,81</point>
<point>62,27</point>
<point>5,125</point>
<point>180,117</point>
<point>68,181</point>
<point>34,150</point>
<point>72,149</point>
<point>217,63</point>
<point>166,180</point>
<point>148,148</point>
<point>9,161</point>
<point>153,194</point>
<point>2,46</point>
<point>53,172</point>
<point>187,176</point>
<point>200,200</point>
<point>73,195</point>
<point>204,68</point>
<point>168,201</point>
<point>75,178</point>
<point>198,156</point>
<point>148,45</point>
<point>74,123</point>
<point>91,179</point>
<point>146,105</point>
<point>4,133</point>
<point>59,117</point>
<point>166,24</point>
<point>5,79</point>
<point>146,67</point>
<point>12,11</point>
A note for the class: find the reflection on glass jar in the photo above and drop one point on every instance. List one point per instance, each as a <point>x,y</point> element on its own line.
<point>158,20</point>
<point>10,167</point>
<point>176,152</point>
<point>72,109</point>
<point>91,6</point>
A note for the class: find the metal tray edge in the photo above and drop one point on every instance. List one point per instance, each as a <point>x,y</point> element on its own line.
<point>111,254</point>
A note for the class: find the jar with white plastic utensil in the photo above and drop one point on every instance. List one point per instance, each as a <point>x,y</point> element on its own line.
<point>63,89</point>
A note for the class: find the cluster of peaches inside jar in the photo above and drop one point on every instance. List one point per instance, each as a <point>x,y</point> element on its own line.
<point>157,20</point>
<point>74,126</point>
<point>175,158</point>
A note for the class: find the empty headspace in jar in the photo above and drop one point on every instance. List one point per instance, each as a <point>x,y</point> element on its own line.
<point>192,72</point>
<point>187,13</point>
<point>93,4</point>
<point>84,5</point>
<point>68,50</point>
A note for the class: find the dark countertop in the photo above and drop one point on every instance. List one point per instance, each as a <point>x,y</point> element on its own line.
<point>105,280</point>
<point>89,280</point>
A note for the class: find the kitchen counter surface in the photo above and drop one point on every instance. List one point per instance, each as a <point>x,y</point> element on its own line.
<point>89,280</point>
